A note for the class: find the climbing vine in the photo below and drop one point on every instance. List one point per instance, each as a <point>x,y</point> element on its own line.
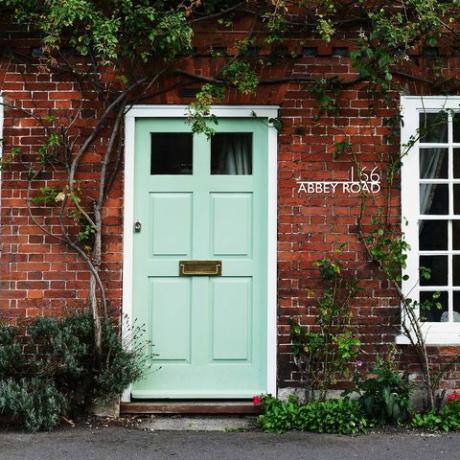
<point>324,352</point>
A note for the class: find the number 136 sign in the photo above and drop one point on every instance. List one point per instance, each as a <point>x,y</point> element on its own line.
<point>366,182</point>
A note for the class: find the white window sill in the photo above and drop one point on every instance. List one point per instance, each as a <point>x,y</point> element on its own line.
<point>432,339</point>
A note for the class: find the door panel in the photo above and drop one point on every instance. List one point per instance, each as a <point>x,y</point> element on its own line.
<point>232,319</point>
<point>231,223</point>
<point>208,332</point>
<point>170,318</point>
<point>172,220</point>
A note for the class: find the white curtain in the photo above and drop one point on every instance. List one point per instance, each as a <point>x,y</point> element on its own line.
<point>234,156</point>
<point>431,164</point>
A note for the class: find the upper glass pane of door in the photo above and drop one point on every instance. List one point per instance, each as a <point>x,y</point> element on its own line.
<point>231,153</point>
<point>171,153</point>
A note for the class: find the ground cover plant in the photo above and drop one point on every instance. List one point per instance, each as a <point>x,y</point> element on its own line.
<point>342,416</point>
<point>447,419</point>
<point>377,399</point>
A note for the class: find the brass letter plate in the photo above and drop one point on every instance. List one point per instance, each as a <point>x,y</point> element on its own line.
<point>200,267</point>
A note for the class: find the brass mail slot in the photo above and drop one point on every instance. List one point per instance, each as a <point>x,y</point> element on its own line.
<point>200,267</point>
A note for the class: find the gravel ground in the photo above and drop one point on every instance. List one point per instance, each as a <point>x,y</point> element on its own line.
<point>104,443</point>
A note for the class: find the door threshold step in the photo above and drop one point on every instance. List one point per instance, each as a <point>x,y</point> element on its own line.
<point>189,407</point>
<point>204,422</point>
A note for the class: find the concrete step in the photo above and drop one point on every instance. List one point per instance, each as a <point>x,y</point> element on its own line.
<point>197,423</point>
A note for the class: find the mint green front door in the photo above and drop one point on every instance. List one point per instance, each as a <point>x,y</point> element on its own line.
<point>201,200</point>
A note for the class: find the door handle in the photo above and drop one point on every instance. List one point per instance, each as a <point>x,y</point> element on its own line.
<point>137,226</point>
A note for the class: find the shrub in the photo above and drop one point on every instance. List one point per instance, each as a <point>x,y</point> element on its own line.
<point>384,396</point>
<point>35,401</point>
<point>333,416</point>
<point>447,419</point>
<point>54,371</point>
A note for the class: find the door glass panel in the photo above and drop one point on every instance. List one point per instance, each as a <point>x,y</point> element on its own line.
<point>434,199</point>
<point>433,306</point>
<point>171,153</point>
<point>231,153</point>
<point>433,127</point>
<point>433,163</point>
<point>438,270</point>
<point>433,235</point>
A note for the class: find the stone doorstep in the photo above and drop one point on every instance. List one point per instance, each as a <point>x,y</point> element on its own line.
<point>196,423</point>
<point>189,407</point>
<point>192,415</point>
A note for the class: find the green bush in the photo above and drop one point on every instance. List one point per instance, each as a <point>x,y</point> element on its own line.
<point>54,371</point>
<point>448,418</point>
<point>36,402</point>
<point>333,416</point>
<point>384,396</point>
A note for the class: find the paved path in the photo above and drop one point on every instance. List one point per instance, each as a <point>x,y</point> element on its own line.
<point>117,443</point>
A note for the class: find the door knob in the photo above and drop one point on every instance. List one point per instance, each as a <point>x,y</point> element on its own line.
<point>137,226</point>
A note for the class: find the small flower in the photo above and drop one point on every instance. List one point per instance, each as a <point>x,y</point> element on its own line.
<point>454,396</point>
<point>358,363</point>
<point>257,400</point>
<point>60,197</point>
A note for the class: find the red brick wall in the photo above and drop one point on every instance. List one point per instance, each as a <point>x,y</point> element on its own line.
<point>39,276</point>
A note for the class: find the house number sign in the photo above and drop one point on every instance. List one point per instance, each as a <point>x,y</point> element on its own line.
<point>366,182</point>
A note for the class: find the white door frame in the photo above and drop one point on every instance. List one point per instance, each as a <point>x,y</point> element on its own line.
<point>223,111</point>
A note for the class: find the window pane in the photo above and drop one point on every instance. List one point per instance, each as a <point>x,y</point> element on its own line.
<point>456,307</point>
<point>231,153</point>
<point>433,127</point>
<point>438,270</point>
<point>433,163</point>
<point>433,235</point>
<point>457,163</point>
<point>434,199</point>
<point>456,198</point>
<point>172,153</point>
<point>456,235</point>
<point>456,123</point>
<point>456,270</point>
<point>433,309</point>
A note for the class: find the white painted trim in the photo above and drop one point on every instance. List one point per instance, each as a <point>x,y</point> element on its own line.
<point>434,333</point>
<point>220,111</point>
<point>432,339</point>
<point>180,111</point>
<point>272,258</point>
<point>128,219</point>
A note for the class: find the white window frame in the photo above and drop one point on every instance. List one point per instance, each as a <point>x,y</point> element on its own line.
<point>435,333</point>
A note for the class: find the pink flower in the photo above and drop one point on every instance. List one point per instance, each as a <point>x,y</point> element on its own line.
<point>454,396</point>
<point>257,400</point>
